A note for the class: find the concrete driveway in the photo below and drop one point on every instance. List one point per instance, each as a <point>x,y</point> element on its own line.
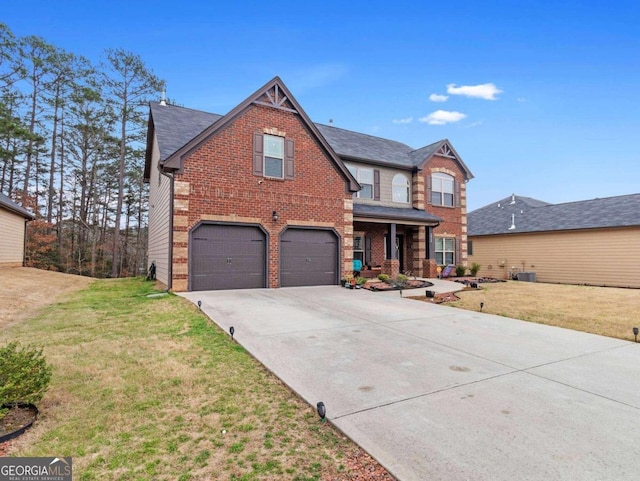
<point>437,393</point>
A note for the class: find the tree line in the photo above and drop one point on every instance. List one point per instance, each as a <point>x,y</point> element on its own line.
<point>72,144</point>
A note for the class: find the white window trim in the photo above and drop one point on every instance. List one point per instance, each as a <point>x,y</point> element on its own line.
<point>444,250</point>
<point>264,156</point>
<point>405,186</point>
<point>437,179</point>
<point>355,171</point>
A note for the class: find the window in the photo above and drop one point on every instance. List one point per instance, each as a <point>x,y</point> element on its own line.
<point>400,187</point>
<point>273,156</point>
<point>358,248</point>
<point>470,248</point>
<point>445,250</point>
<point>442,189</point>
<point>365,179</point>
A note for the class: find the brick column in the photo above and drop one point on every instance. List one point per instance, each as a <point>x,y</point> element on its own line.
<point>391,267</point>
<point>429,268</point>
<point>419,248</point>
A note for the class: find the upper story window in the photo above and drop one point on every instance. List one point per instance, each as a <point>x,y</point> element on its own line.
<point>400,186</point>
<point>365,178</point>
<point>442,189</point>
<point>273,156</point>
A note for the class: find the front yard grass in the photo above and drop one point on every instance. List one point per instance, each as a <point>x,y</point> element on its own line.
<point>606,311</point>
<point>148,388</point>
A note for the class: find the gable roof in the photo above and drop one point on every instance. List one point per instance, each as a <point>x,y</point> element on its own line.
<point>531,215</point>
<point>273,94</point>
<point>179,130</point>
<point>8,204</point>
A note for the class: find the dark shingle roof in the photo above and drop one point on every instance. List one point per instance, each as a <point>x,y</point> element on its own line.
<point>366,147</point>
<point>7,203</point>
<point>176,126</point>
<point>531,215</point>
<point>399,213</point>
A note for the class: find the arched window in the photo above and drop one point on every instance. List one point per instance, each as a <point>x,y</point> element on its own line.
<point>442,189</point>
<point>400,188</point>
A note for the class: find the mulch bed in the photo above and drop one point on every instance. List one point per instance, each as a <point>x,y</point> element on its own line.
<point>383,286</point>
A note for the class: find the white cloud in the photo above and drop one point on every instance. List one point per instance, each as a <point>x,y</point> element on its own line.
<point>408,120</point>
<point>442,117</point>
<point>484,91</point>
<point>521,99</point>
<point>438,98</point>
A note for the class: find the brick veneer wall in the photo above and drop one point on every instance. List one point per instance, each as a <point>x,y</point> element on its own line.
<point>217,184</point>
<point>454,222</point>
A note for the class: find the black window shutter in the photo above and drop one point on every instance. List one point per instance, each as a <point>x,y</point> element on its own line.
<point>367,250</point>
<point>258,149</point>
<point>458,259</point>
<point>429,190</point>
<point>456,189</point>
<point>288,158</point>
<point>376,184</point>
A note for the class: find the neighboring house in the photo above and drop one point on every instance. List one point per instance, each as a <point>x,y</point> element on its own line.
<point>263,197</point>
<point>13,224</point>
<point>593,242</point>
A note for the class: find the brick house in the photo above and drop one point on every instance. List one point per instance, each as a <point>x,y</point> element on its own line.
<point>264,197</point>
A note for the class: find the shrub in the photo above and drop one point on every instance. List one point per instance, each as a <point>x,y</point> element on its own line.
<point>361,281</point>
<point>24,374</point>
<point>401,280</point>
<point>475,267</point>
<point>383,277</point>
<point>461,271</point>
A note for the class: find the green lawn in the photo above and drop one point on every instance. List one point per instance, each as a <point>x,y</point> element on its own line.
<point>148,388</point>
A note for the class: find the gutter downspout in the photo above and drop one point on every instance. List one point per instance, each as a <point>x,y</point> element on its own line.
<point>24,243</point>
<point>170,263</point>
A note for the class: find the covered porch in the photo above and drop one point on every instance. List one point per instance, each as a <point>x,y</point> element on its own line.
<point>392,241</point>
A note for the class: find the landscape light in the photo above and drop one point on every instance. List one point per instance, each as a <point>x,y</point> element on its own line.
<point>200,305</point>
<point>322,411</point>
<point>635,333</point>
<point>481,306</point>
<point>231,331</point>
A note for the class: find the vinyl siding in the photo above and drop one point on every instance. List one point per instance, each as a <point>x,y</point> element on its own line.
<point>12,226</point>
<point>386,186</point>
<point>600,257</point>
<point>159,204</point>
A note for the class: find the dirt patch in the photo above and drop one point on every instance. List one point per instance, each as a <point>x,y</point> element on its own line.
<point>24,291</point>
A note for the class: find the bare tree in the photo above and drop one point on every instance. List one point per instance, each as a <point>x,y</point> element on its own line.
<point>130,84</point>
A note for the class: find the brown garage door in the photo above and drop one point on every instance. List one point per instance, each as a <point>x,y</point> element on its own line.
<point>227,257</point>
<point>308,258</point>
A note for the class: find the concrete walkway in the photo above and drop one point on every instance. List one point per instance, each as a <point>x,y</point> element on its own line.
<point>437,393</point>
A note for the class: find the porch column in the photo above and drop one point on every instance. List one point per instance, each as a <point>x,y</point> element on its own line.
<point>391,265</point>
<point>391,244</point>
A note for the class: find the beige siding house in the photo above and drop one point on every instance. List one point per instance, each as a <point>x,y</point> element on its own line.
<point>592,242</point>
<point>13,220</point>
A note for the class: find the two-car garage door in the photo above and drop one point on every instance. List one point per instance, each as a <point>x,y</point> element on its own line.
<point>230,256</point>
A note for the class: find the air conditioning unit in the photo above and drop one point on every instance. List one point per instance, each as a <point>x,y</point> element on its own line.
<point>526,276</point>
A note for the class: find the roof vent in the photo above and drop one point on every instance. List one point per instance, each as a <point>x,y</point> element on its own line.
<point>513,222</point>
<point>330,121</point>
<point>513,198</point>
<point>498,205</point>
<point>163,100</point>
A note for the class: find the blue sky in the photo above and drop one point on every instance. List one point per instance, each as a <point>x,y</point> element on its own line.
<point>542,97</point>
